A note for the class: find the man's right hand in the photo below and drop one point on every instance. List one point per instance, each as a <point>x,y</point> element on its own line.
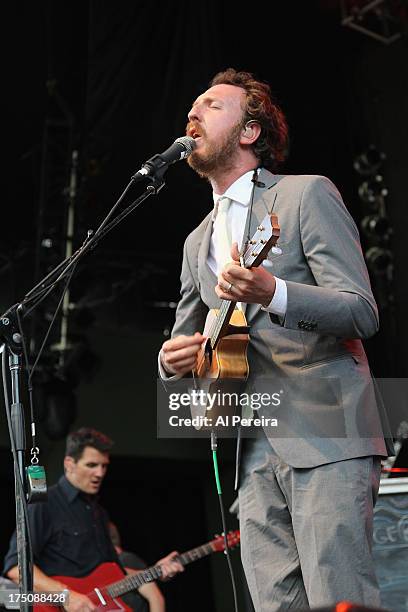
<point>77,602</point>
<point>179,355</point>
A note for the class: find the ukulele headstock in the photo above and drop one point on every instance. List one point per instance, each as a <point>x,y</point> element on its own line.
<point>264,239</point>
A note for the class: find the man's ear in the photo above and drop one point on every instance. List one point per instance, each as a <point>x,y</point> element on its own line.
<point>250,132</point>
<point>68,464</point>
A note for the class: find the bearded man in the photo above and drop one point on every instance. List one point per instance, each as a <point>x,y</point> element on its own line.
<point>305,499</point>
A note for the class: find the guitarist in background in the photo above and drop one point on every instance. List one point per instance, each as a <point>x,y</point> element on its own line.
<point>305,499</point>
<point>70,531</point>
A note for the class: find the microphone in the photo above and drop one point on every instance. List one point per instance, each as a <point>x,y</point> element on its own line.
<point>157,165</point>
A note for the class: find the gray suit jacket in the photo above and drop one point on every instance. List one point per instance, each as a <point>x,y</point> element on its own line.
<point>315,351</point>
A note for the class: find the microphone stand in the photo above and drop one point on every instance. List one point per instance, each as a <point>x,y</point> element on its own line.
<point>11,336</point>
<point>12,350</point>
<point>155,185</point>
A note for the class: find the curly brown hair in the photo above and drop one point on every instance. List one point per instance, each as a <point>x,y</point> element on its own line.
<point>271,148</point>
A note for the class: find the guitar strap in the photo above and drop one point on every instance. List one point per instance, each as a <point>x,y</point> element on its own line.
<point>247,229</point>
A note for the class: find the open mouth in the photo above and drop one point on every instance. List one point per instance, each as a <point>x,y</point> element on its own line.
<point>194,133</point>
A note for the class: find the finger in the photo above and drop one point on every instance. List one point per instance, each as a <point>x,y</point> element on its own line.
<point>231,264</point>
<point>182,366</point>
<point>173,354</point>
<point>182,341</point>
<point>175,563</point>
<point>235,251</point>
<point>224,285</point>
<point>232,273</point>
<point>178,566</point>
<point>233,295</point>
<point>170,556</point>
<point>182,354</point>
<point>166,570</point>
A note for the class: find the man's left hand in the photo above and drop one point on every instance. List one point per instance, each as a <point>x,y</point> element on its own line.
<point>170,566</point>
<point>248,285</point>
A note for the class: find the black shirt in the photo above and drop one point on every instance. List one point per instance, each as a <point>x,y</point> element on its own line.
<point>69,533</point>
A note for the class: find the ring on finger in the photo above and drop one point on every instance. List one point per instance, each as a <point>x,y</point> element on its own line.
<point>228,289</point>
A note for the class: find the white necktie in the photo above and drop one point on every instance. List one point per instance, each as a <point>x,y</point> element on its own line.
<point>221,234</point>
<point>222,238</point>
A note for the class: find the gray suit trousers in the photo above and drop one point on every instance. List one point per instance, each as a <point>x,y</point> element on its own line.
<point>306,532</point>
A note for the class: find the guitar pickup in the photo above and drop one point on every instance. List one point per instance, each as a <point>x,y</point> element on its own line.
<point>237,329</point>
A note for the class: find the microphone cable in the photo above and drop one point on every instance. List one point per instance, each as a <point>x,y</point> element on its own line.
<point>223,521</point>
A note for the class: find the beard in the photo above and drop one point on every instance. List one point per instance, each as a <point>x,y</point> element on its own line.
<point>218,157</point>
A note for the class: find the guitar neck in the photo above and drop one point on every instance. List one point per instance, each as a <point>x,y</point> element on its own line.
<point>135,581</point>
<point>222,322</point>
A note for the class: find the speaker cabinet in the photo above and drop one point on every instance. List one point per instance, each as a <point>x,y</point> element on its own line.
<point>390,545</point>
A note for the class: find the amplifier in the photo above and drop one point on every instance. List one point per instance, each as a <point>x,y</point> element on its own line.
<point>390,545</point>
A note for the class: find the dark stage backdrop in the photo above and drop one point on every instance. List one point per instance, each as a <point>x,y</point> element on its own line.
<point>127,74</point>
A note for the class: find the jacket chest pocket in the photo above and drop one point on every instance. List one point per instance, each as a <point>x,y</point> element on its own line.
<point>74,541</point>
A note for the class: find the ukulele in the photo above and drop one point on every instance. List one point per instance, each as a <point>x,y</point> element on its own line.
<point>105,584</point>
<point>223,355</point>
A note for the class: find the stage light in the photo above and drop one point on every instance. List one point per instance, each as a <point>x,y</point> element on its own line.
<point>373,190</point>
<point>376,226</point>
<point>369,162</point>
<point>379,260</point>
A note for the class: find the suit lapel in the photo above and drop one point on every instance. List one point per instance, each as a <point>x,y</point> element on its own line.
<point>206,276</point>
<point>264,200</point>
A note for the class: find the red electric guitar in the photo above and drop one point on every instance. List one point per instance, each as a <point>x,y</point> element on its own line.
<point>106,583</point>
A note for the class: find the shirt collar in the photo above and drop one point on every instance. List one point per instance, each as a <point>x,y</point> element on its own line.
<point>68,489</point>
<point>240,191</point>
